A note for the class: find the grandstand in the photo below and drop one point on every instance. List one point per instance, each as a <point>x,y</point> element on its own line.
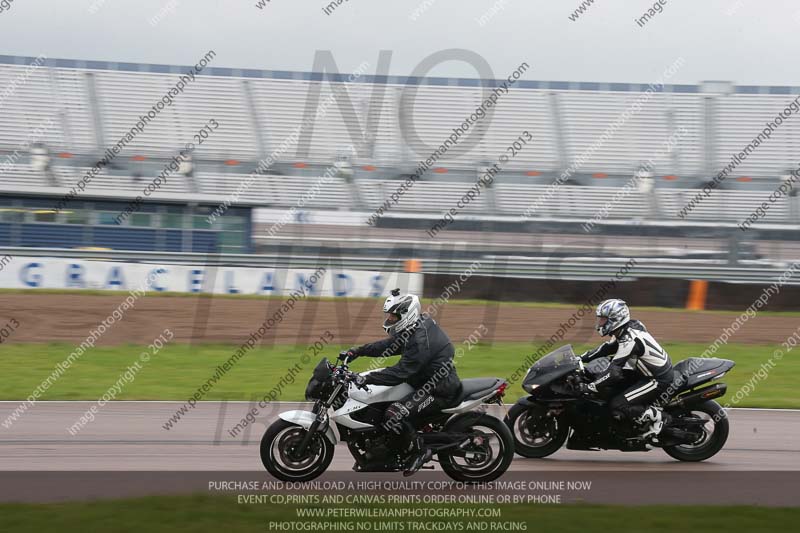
<point>88,105</point>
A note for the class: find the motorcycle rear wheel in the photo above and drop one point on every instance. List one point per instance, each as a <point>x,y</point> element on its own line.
<point>486,457</point>
<point>713,438</point>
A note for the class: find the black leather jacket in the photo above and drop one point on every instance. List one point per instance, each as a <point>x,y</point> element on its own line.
<point>427,357</point>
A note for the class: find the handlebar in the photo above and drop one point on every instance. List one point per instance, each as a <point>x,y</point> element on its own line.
<point>574,380</point>
<point>346,355</point>
<point>342,371</point>
<point>344,376</point>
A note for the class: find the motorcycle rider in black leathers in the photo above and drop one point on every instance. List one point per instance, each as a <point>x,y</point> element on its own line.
<point>636,360</point>
<point>426,364</point>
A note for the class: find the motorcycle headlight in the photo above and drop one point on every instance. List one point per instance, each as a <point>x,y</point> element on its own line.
<point>529,388</point>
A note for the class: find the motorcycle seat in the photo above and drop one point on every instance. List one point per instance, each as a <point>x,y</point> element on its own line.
<point>695,370</point>
<point>472,389</point>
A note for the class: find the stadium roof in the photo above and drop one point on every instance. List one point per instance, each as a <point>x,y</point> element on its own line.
<point>398,80</point>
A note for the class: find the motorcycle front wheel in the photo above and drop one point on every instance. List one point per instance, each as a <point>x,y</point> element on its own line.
<point>280,457</point>
<point>535,436</point>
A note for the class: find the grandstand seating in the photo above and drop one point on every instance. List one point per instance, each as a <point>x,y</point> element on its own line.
<point>206,98</point>
<point>259,110</point>
<point>21,175</point>
<point>640,138</point>
<point>39,94</point>
<point>567,202</point>
<point>744,116</point>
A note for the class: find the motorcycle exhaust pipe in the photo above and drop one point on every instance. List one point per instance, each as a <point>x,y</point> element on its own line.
<point>700,395</point>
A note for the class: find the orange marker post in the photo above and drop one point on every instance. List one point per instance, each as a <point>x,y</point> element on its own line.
<point>698,289</point>
<point>413,265</point>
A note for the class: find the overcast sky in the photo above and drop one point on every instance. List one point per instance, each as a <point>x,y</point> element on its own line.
<point>744,41</point>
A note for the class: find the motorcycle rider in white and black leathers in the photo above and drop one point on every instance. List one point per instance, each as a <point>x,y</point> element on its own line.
<point>426,364</point>
<point>637,360</point>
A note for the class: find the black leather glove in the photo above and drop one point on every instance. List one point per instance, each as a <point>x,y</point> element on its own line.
<point>349,354</point>
<point>586,389</point>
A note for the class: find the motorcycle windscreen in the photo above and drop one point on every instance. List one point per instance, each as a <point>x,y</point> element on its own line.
<point>319,385</point>
<point>552,366</point>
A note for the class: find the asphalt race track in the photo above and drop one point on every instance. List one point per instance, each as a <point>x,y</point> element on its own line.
<point>126,449</point>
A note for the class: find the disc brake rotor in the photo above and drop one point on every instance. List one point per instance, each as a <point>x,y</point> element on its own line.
<point>287,447</point>
<point>536,428</point>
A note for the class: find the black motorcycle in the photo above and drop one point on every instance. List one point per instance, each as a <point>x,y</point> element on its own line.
<point>695,428</point>
<point>469,444</point>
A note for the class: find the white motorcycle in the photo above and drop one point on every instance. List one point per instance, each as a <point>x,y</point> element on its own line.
<point>469,444</point>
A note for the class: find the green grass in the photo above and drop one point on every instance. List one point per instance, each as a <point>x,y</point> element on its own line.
<point>179,369</point>
<point>201,513</point>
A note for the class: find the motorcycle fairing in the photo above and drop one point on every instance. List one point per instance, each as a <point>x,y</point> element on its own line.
<point>304,419</point>
<point>380,393</point>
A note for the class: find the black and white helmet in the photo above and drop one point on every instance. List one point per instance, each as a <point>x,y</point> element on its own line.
<point>612,315</point>
<point>402,312</point>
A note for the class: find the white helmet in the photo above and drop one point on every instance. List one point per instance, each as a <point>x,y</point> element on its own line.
<point>402,312</point>
<point>611,315</point>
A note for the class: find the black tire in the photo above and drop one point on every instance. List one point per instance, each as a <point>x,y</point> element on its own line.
<point>712,442</point>
<point>498,461</point>
<point>316,460</point>
<point>526,444</point>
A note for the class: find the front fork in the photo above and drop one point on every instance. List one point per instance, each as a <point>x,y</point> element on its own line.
<point>319,410</point>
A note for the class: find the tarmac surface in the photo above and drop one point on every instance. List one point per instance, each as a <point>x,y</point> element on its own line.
<point>126,451</point>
